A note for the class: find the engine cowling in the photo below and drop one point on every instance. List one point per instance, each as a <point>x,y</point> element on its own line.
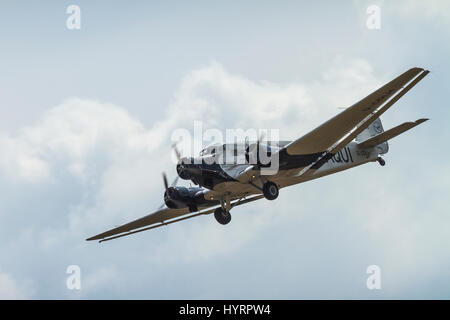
<point>182,197</point>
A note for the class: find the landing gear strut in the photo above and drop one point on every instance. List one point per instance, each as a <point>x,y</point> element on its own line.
<point>381,161</point>
<point>222,214</point>
<point>270,190</point>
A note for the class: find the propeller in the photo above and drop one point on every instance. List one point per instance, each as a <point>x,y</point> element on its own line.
<point>174,182</point>
<point>167,186</point>
<point>177,152</point>
<point>260,138</point>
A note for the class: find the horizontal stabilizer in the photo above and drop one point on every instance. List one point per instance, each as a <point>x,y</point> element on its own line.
<point>391,133</point>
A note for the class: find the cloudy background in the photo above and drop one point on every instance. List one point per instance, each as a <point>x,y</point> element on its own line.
<point>85,127</point>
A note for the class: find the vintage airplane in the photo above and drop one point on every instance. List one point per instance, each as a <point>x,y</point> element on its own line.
<point>353,137</point>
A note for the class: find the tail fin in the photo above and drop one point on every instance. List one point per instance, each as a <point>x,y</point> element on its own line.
<point>373,130</point>
<point>391,133</point>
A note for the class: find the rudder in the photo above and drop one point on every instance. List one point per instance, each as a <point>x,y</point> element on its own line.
<point>374,129</point>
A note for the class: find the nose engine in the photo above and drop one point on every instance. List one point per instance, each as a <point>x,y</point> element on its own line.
<point>185,168</point>
<point>182,171</point>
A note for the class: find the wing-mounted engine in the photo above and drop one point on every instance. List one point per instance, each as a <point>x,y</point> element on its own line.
<point>182,197</point>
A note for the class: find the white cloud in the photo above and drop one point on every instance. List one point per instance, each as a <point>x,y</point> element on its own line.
<point>10,289</point>
<point>223,100</point>
<point>117,161</point>
<point>19,160</point>
<point>99,278</point>
<point>108,164</point>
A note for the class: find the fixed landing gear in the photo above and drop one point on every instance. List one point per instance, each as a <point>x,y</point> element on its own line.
<point>222,216</point>
<point>381,161</point>
<point>270,190</point>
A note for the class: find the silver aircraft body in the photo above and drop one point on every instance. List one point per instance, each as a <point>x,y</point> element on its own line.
<point>351,138</point>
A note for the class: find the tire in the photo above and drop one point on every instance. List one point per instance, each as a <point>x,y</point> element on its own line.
<point>270,190</point>
<point>221,216</point>
<point>381,161</point>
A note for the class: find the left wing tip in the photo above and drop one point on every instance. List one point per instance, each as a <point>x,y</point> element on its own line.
<point>93,238</point>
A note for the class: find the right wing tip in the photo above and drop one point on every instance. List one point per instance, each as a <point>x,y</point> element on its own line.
<point>419,70</point>
<point>419,121</point>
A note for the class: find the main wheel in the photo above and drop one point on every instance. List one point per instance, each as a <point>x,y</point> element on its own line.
<point>222,216</point>
<point>270,190</point>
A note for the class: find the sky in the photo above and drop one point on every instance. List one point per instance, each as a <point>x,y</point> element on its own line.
<point>85,132</point>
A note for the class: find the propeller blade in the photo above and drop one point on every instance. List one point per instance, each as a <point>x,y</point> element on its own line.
<point>261,137</point>
<point>166,185</point>
<point>177,152</point>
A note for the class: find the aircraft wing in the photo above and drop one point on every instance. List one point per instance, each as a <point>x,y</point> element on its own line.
<point>367,121</point>
<point>326,135</point>
<point>160,218</point>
